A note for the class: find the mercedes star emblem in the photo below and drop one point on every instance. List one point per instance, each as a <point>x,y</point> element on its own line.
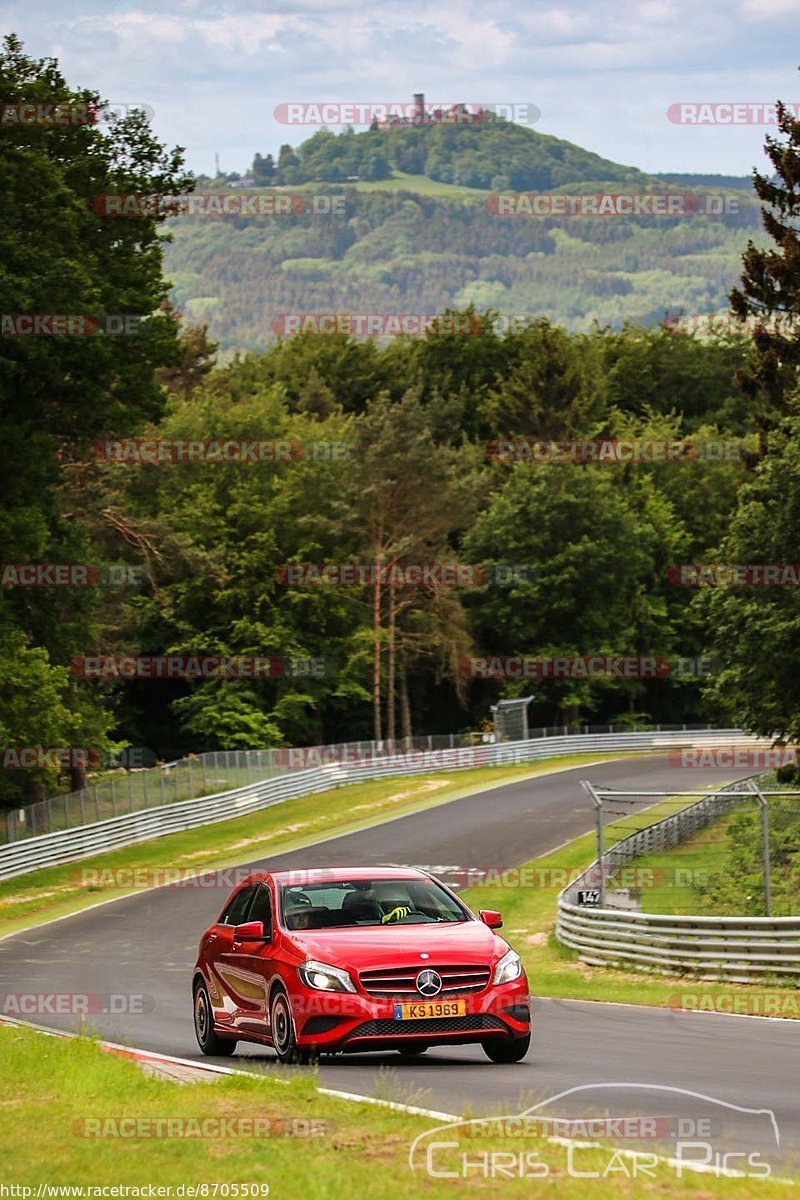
<point>429,983</point>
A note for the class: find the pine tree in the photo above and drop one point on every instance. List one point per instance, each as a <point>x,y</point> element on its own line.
<point>770,291</point>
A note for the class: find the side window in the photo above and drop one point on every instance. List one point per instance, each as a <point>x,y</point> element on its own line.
<point>236,911</point>
<point>262,908</point>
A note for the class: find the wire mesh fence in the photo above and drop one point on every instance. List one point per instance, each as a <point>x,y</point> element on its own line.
<point>726,853</point>
<point>134,790</point>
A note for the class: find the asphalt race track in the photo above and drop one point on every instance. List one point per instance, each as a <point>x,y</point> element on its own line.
<point>146,945</point>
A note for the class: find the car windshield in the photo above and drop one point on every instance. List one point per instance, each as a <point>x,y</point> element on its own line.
<point>378,902</point>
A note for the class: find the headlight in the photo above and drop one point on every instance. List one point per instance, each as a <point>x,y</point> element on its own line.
<point>508,969</point>
<point>323,978</point>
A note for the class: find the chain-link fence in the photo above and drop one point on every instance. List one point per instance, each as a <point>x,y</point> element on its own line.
<point>127,791</point>
<point>134,790</point>
<point>728,853</point>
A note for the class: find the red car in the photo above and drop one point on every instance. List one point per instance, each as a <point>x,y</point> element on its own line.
<point>353,959</point>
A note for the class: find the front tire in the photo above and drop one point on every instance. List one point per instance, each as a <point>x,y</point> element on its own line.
<point>281,1026</point>
<point>509,1050</point>
<point>207,1039</point>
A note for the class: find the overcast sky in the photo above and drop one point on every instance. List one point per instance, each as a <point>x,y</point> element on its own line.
<point>603,74</point>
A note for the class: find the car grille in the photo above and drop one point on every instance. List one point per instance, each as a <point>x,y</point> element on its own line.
<point>474,1023</point>
<point>401,981</point>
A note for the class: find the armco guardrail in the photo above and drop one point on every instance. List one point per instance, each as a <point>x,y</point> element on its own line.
<point>738,948</point>
<point>69,845</point>
<point>134,789</point>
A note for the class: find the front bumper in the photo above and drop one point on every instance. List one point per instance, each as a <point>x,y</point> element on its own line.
<point>346,1021</point>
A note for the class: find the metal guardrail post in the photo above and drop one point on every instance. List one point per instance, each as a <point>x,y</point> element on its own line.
<point>598,808</point>
<point>762,800</point>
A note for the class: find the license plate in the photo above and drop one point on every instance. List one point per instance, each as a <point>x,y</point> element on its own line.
<point>422,1009</point>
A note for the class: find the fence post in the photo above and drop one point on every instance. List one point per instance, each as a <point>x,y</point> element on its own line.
<point>144,786</point>
<point>598,810</point>
<point>762,800</point>
<point>191,784</point>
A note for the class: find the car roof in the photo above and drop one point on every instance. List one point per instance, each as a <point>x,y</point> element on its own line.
<point>333,875</point>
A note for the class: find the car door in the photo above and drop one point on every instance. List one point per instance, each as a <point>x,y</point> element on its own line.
<point>255,961</point>
<point>235,988</point>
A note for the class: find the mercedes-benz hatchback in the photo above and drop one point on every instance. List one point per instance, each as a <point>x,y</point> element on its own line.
<point>356,959</point>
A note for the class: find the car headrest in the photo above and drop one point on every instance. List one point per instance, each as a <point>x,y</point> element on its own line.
<point>361,906</point>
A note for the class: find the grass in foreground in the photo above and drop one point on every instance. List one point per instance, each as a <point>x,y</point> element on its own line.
<point>59,1090</point>
<point>57,891</point>
<point>527,899</point>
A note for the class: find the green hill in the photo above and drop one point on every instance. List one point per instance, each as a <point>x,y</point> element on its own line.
<point>416,232</point>
<point>495,155</point>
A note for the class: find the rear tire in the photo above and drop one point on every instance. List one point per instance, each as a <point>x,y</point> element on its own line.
<point>207,1039</point>
<point>509,1050</point>
<point>411,1051</point>
<point>281,1025</point>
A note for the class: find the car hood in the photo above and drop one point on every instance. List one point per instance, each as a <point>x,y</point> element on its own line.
<point>372,946</point>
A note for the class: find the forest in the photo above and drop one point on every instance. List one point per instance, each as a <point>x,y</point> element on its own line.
<point>392,463</point>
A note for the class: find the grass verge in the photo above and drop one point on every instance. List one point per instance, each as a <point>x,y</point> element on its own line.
<point>699,858</point>
<point>58,891</point>
<point>65,1089</point>
<point>527,899</point>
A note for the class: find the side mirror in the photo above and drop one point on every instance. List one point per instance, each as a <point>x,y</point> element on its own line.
<point>251,931</point>
<point>491,918</point>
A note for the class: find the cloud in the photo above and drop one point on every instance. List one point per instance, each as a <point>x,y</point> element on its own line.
<point>767,10</point>
<point>603,74</point>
